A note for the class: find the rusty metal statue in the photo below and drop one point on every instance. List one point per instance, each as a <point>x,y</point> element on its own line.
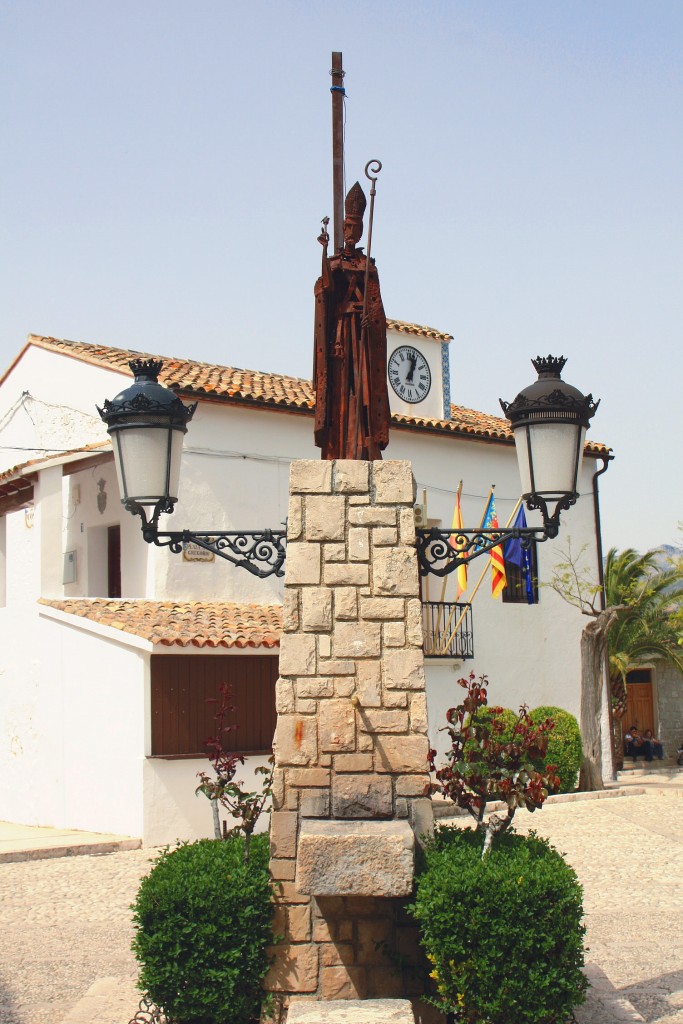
<point>350,364</point>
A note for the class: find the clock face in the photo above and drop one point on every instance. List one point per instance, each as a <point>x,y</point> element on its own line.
<point>409,374</point>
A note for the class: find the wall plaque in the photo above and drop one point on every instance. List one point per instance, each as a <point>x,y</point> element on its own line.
<point>195,553</point>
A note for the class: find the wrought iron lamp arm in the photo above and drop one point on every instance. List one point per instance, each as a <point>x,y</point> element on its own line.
<point>260,552</point>
<point>441,552</point>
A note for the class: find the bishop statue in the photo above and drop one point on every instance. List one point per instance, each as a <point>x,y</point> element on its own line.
<point>350,361</point>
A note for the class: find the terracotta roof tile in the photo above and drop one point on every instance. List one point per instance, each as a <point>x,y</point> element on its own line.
<point>183,624</point>
<point>418,329</point>
<point>477,424</point>
<point>223,383</point>
<point>33,465</point>
<point>195,378</point>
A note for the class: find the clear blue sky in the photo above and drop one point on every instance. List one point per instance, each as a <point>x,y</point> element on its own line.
<point>166,165</point>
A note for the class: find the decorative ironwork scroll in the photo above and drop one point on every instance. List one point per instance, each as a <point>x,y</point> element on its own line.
<point>150,1013</point>
<point>440,552</point>
<point>260,552</point>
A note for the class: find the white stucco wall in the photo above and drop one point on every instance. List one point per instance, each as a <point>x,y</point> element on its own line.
<point>84,527</point>
<point>47,403</point>
<point>75,736</point>
<point>73,726</point>
<point>171,808</point>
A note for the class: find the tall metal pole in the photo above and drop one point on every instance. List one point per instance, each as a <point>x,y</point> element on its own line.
<point>337,90</point>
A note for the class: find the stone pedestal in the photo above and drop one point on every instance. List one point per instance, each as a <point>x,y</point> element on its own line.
<point>351,786</point>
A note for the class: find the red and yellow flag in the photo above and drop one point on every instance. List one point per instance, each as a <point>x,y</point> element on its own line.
<point>453,541</point>
<point>498,577</point>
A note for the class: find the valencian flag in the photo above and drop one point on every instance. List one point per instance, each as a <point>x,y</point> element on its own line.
<point>490,522</point>
<point>457,524</point>
<point>515,553</point>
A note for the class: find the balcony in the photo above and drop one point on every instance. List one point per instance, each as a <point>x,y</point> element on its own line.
<point>447,630</point>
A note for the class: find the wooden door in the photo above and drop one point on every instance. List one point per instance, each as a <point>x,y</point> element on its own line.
<point>114,561</point>
<point>640,705</point>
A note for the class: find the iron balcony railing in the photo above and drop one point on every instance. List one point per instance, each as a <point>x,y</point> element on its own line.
<point>448,631</point>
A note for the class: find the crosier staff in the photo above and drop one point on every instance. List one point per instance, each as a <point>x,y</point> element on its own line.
<point>376,166</point>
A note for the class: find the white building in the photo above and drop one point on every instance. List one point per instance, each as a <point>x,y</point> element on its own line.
<point>110,646</point>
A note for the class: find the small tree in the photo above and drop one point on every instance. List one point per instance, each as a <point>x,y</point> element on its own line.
<point>633,620</point>
<point>245,807</point>
<point>489,760</point>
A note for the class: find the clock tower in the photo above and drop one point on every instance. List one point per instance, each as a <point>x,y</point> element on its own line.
<point>418,370</point>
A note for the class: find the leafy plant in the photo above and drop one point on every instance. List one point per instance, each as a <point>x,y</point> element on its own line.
<point>503,933</point>
<point>203,923</point>
<point>491,758</point>
<point>244,806</point>
<point>637,617</point>
<point>564,745</point>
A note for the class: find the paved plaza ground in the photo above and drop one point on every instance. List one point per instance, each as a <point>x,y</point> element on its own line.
<point>65,937</point>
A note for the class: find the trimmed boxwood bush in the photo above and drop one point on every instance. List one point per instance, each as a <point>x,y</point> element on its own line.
<point>505,715</point>
<point>203,922</point>
<point>504,934</point>
<point>564,745</point>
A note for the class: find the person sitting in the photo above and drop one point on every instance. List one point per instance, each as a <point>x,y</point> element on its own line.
<point>652,747</point>
<point>633,743</point>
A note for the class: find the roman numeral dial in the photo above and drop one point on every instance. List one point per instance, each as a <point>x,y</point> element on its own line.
<point>409,374</point>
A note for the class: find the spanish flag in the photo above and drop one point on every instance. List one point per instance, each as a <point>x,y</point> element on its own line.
<point>498,578</point>
<point>453,541</point>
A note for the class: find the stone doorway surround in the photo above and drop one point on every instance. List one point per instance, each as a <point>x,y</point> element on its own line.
<point>351,786</point>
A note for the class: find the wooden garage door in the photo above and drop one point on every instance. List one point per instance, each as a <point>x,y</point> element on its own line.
<point>181,718</point>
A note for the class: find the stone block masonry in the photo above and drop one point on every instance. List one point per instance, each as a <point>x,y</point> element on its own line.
<point>351,786</point>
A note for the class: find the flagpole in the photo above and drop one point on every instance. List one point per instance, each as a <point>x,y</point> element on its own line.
<point>441,609</point>
<point>479,583</point>
<point>458,493</point>
<point>443,590</point>
<point>424,513</point>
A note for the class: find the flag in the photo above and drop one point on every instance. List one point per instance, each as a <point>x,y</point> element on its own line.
<point>453,541</point>
<point>490,522</point>
<point>515,553</point>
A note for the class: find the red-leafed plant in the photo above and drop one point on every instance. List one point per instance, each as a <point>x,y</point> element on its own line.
<point>492,759</point>
<point>223,790</point>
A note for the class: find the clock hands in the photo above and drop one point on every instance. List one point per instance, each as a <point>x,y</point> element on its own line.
<point>413,363</point>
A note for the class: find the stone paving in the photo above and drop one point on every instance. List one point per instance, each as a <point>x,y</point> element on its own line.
<point>628,854</point>
<point>66,924</point>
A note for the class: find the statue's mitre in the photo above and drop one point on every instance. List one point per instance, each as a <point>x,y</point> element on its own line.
<point>355,202</point>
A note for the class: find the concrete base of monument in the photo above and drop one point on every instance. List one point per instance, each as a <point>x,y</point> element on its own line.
<point>355,858</point>
<point>350,1011</point>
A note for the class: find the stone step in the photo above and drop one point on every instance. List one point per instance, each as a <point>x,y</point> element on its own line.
<point>350,1011</point>
<point>111,1000</point>
<point>658,768</point>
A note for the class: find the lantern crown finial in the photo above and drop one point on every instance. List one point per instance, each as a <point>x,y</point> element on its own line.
<point>146,369</point>
<point>549,366</point>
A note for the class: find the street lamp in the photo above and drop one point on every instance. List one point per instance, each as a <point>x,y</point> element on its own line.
<point>146,423</point>
<point>549,420</point>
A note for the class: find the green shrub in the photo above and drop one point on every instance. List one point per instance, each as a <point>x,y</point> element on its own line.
<point>564,745</point>
<point>505,715</point>
<point>488,716</point>
<point>203,921</point>
<point>503,933</point>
